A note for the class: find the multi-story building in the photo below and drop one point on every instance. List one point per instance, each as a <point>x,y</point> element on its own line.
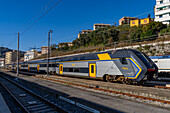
<point>134,22</point>
<point>64,44</point>
<point>30,55</point>
<point>126,20</point>
<point>138,22</point>
<point>44,49</point>
<point>3,50</point>
<point>70,44</point>
<point>162,11</point>
<point>10,57</point>
<point>84,32</point>
<point>2,62</point>
<point>96,26</point>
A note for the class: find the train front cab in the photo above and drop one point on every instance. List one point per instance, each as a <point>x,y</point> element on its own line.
<point>130,65</point>
<point>148,67</point>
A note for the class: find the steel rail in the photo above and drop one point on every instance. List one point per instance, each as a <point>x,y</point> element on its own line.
<point>105,90</point>
<point>34,73</point>
<point>37,96</point>
<point>18,102</point>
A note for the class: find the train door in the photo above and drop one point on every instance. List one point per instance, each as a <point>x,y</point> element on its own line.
<point>61,69</point>
<point>38,68</point>
<point>92,70</point>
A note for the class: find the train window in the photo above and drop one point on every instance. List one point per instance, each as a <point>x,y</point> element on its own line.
<point>66,69</point>
<point>156,61</point>
<point>80,70</point>
<point>123,61</point>
<point>76,70</point>
<point>142,58</point>
<point>92,68</point>
<point>70,69</point>
<point>75,58</point>
<point>61,67</point>
<point>82,58</point>
<point>84,70</point>
<point>53,65</point>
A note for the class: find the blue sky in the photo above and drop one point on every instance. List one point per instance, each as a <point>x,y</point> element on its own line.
<point>66,19</point>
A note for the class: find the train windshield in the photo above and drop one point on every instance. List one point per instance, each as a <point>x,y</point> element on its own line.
<point>143,58</point>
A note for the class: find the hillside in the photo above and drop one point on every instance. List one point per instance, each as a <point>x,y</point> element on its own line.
<point>120,36</point>
<point>3,50</point>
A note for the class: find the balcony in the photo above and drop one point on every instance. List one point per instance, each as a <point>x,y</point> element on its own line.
<point>161,12</point>
<point>163,19</point>
<point>162,5</point>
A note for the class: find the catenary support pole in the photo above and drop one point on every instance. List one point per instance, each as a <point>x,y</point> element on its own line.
<point>51,46</point>
<point>115,45</point>
<point>18,56</point>
<point>50,31</point>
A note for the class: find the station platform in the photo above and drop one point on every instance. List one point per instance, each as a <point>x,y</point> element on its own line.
<point>3,106</point>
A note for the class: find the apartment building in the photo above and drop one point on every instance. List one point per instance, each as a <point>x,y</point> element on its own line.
<point>162,11</point>
<point>138,22</point>
<point>30,55</point>
<point>2,62</point>
<point>44,49</point>
<point>84,32</point>
<point>126,20</point>
<point>96,26</point>
<point>10,57</point>
<point>64,44</point>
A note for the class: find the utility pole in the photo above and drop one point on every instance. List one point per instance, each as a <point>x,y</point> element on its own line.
<point>115,45</point>
<point>51,45</point>
<point>50,31</point>
<point>18,57</point>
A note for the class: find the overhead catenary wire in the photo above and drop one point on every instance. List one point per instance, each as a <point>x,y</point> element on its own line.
<point>40,17</point>
<point>11,42</point>
<point>9,34</point>
<point>143,13</point>
<point>38,14</point>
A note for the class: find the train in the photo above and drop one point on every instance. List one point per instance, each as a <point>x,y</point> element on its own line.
<point>124,65</point>
<point>163,64</point>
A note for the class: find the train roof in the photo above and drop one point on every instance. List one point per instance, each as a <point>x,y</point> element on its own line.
<point>85,56</point>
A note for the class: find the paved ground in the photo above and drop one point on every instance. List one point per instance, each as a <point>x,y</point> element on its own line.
<point>123,87</point>
<point>3,106</point>
<point>109,103</point>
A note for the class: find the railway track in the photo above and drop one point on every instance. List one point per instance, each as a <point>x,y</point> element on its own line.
<point>28,101</point>
<point>105,90</point>
<point>155,83</point>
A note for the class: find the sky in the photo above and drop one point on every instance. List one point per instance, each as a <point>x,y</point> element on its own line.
<point>66,19</point>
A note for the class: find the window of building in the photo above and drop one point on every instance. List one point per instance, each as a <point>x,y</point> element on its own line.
<point>145,21</point>
<point>161,2</point>
<point>160,16</point>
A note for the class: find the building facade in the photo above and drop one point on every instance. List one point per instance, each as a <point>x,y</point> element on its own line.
<point>64,44</point>
<point>10,57</point>
<point>126,20</point>
<point>96,26</point>
<point>134,23</point>
<point>30,55</point>
<point>84,32</point>
<point>162,11</point>
<point>2,62</point>
<point>44,49</point>
<point>138,22</point>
